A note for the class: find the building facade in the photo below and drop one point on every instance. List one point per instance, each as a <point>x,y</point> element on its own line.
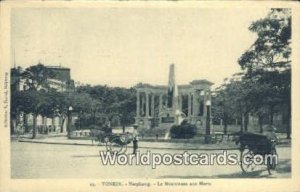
<point>60,81</point>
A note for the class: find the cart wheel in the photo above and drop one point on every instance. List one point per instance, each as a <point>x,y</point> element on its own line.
<point>272,161</point>
<point>124,149</point>
<point>115,146</point>
<point>246,160</point>
<point>123,141</point>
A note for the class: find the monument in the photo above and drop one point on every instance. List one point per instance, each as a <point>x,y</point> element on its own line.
<point>172,110</point>
<point>165,106</point>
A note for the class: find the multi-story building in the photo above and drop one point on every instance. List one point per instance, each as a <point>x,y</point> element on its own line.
<point>60,81</point>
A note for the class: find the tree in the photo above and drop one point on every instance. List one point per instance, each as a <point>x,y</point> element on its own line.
<point>59,103</point>
<point>271,51</point>
<point>34,102</point>
<point>16,97</point>
<point>128,110</point>
<point>34,99</point>
<point>16,106</point>
<point>113,103</point>
<point>222,107</point>
<point>81,103</point>
<point>267,63</point>
<point>36,77</point>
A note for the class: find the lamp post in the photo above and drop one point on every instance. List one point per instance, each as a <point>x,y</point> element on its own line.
<point>207,127</point>
<point>70,109</point>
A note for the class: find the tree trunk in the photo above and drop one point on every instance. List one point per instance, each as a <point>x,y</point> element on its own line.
<point>94,118</point>
<point>80,120</point>
<point>271,115</point>
<point>45,127</point>
<point>246,121</point>
<point>62,124</point>
<point>288,127</point>
<point>34,126</point>
<point>25,122</point>
<point>241,117</point>
<point>69,125</point>
<point>53,124</point>
<point>225,124</point>
<point>225,128</point>
<point>260,121</point>
<point>242,123</point>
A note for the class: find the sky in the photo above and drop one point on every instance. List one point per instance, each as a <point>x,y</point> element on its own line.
<point>125,46</point>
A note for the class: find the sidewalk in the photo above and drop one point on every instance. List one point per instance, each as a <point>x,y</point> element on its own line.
<point>62,140</point>
<point>142,144</point>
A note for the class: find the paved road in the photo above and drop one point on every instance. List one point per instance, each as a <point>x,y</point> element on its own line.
<point>32,160</point>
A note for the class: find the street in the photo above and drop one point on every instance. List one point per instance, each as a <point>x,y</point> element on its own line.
<point>33,160</point>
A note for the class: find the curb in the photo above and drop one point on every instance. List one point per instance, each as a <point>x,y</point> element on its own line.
<point>169,148</point>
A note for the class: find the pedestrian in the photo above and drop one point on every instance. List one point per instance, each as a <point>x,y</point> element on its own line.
<point>156,137</point>
<point>18,131</point>
<point>135,138</point>
<point>270,132</point>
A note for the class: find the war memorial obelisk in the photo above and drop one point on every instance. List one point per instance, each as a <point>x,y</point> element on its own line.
<point>173,100</point>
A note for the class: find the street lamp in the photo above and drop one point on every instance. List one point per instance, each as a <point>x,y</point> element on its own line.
<point>70,109</point>
<point>207,128</point>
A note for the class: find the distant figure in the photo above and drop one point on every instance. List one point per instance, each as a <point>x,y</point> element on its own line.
<point>135,139</point>
<point>107,128</point>
<point>270,132</point>
<point>156,136</point>
<point>19,130</point>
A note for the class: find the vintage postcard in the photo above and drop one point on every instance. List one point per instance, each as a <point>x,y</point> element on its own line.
<point>154,96</point>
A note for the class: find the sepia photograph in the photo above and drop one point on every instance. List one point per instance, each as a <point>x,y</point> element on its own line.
<point>143,97</point>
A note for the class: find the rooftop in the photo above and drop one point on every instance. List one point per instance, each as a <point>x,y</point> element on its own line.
<point>57,67</point>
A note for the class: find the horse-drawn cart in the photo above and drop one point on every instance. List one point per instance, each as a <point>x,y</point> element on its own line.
<point>115,143</point>
<point>254,145</point>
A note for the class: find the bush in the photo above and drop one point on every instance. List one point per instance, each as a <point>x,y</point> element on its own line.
<point>183,131</point>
